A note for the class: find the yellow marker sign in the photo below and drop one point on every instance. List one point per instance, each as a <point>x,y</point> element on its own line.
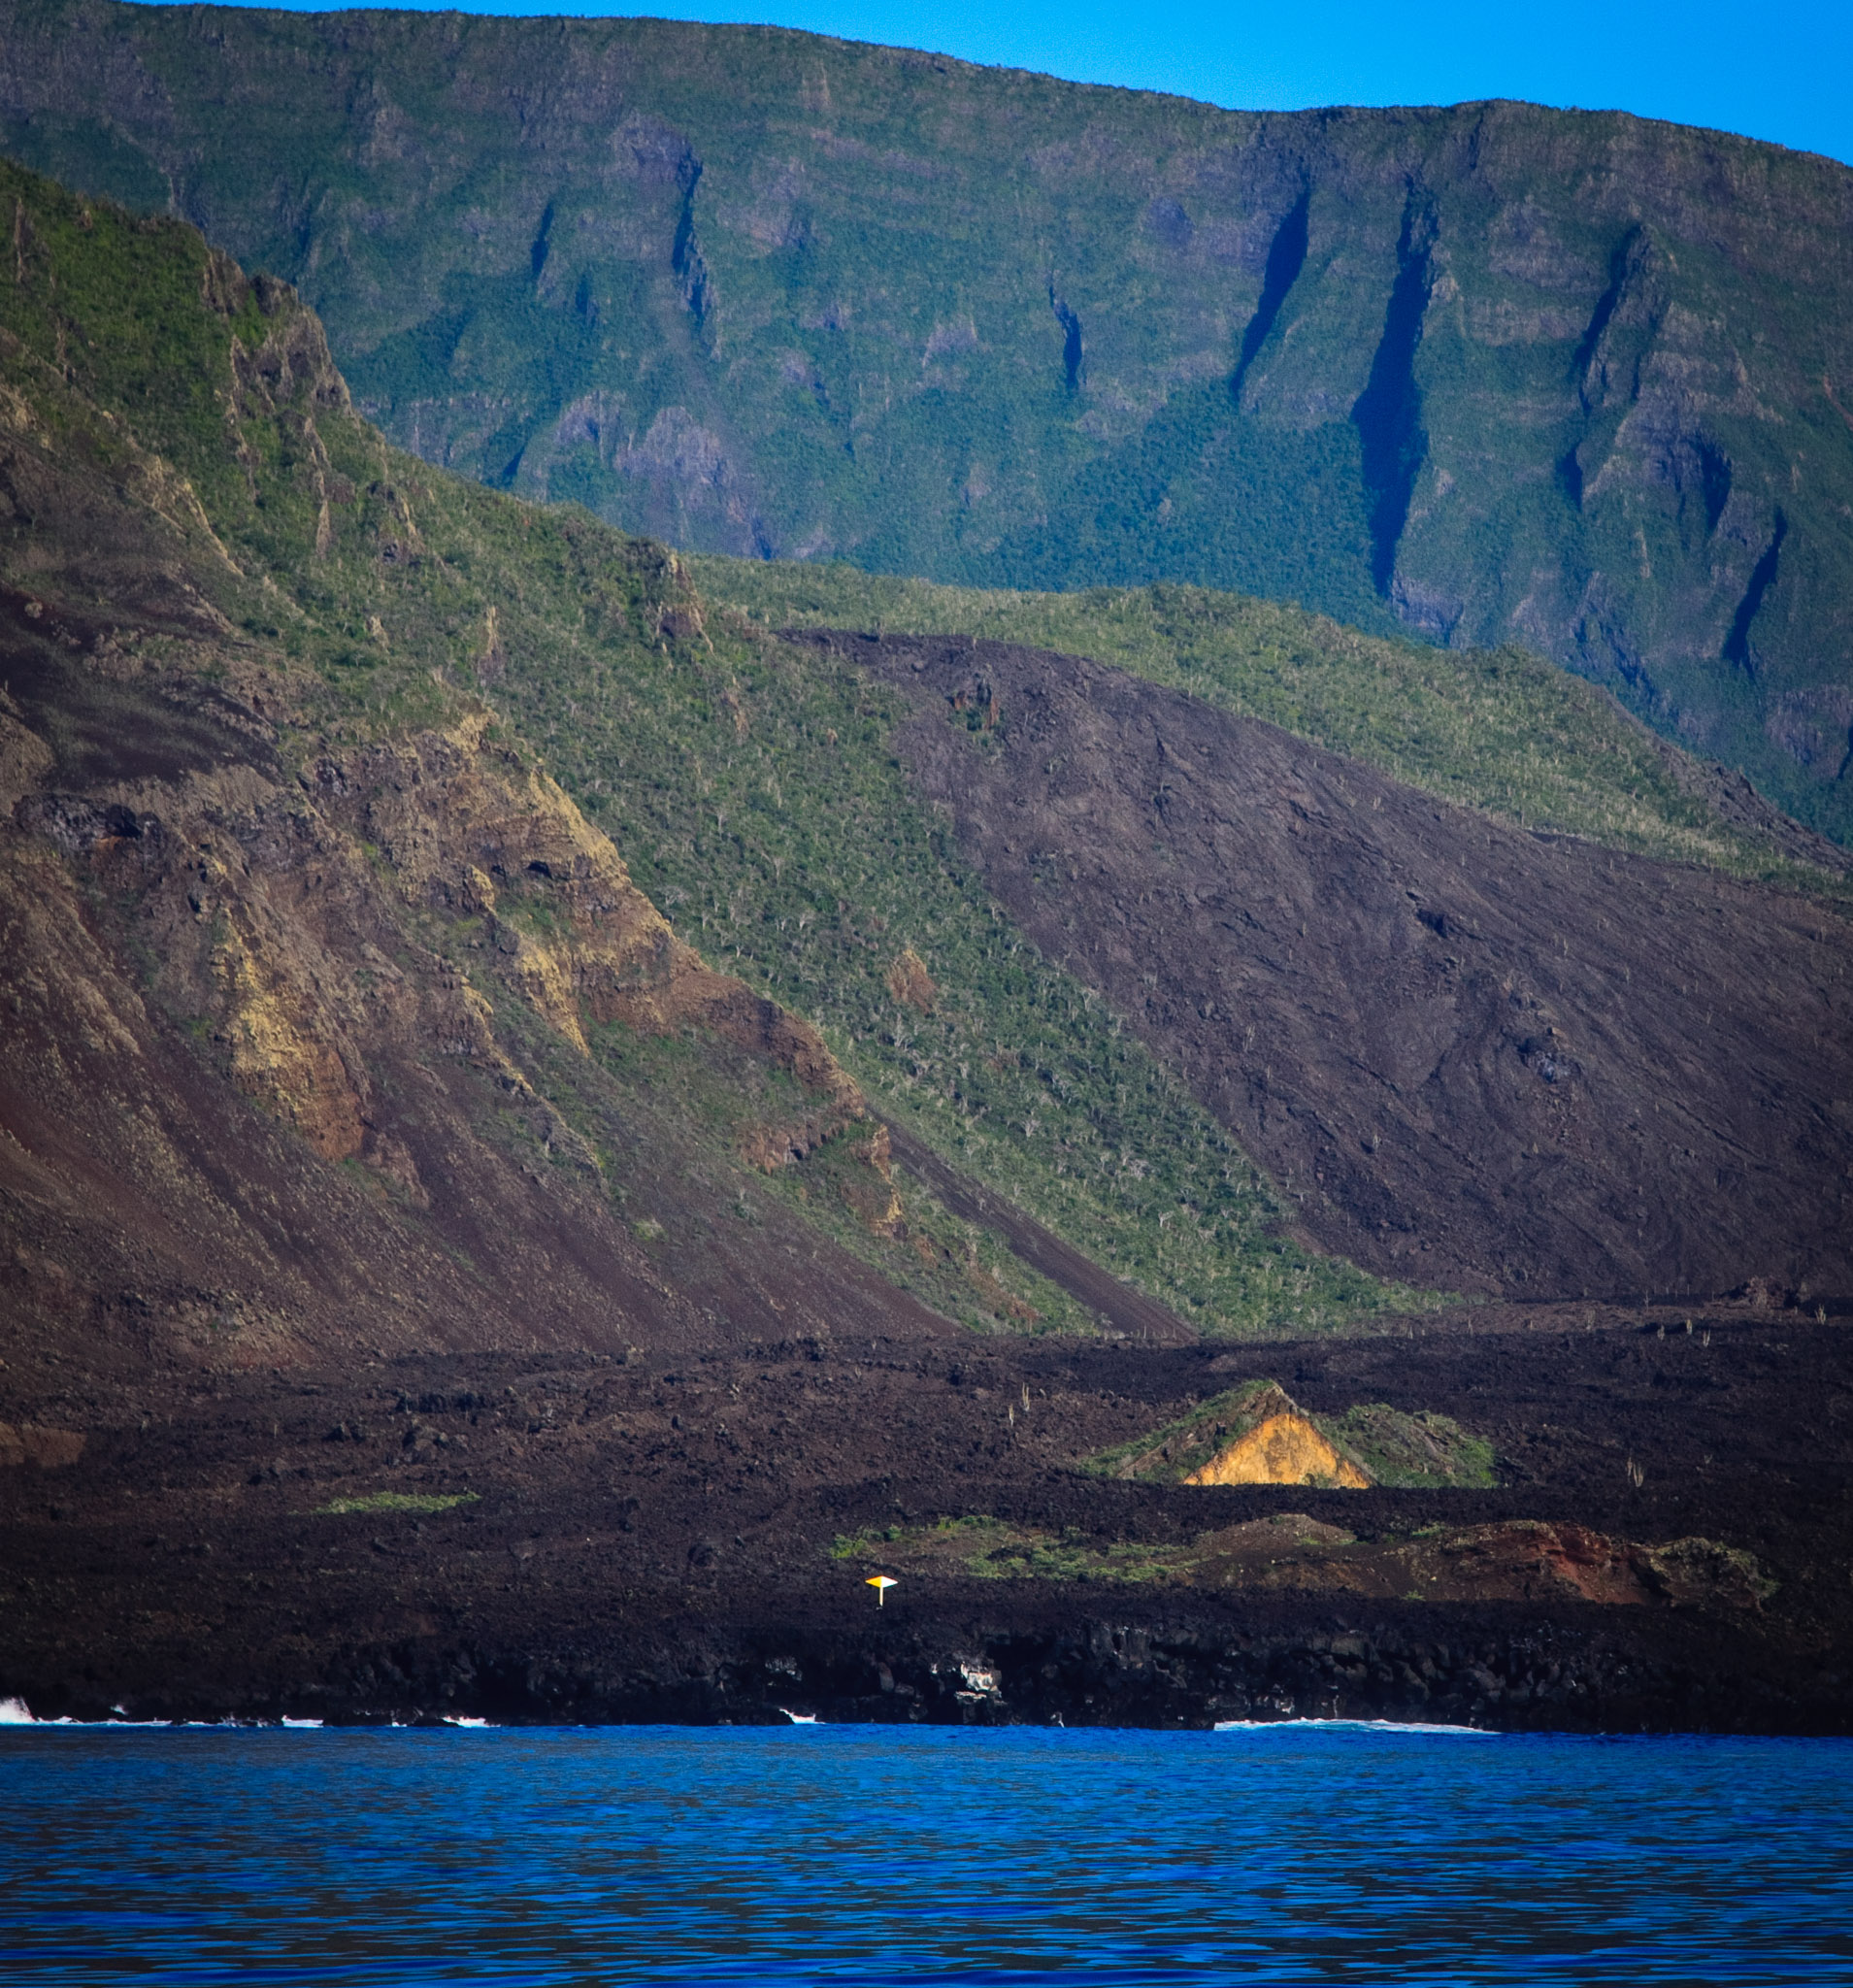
<point>881,1583</point>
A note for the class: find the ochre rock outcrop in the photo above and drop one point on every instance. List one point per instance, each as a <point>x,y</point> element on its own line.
<point>1255,1434</point>
<point>289,918</point>
<point>1283,1449</point>
<point>466,825</point>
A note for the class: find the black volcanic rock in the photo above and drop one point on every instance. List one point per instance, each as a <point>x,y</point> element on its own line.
<point>1492,1059</point>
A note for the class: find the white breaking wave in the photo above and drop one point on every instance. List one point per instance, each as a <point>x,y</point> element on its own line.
<point>1355,1725</point>
<point>802,1719</point>
<point>15,1711</point>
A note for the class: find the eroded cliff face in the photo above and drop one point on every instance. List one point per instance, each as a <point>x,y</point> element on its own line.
<point>308,1022</point>
<point>368,953</point>
<point>388,900</point>
<point>274,1042</point>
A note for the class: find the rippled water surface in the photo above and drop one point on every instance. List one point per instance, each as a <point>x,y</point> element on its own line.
<point>858,1854</point>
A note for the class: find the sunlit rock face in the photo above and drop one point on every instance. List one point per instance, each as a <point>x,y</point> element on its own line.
<point>1284,1449</point>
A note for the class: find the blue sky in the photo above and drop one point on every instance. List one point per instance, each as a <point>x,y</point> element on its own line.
<point>1789,79</point>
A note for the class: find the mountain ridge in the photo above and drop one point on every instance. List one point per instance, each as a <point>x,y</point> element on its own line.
<point>792,804</point>
<point>1488,373</point>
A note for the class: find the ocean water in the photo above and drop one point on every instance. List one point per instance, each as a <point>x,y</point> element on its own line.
<point>864,1855</point>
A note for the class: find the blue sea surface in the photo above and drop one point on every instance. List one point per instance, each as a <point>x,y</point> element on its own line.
<point>858,1854</point>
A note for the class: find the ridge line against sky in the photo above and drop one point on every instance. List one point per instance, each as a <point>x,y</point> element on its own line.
<point>1787,79</point>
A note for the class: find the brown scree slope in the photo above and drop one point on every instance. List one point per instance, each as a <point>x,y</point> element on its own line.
<point>212,994</point>
<point>1491,1060</point>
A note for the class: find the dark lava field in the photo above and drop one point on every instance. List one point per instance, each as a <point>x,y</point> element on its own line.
<point>563,1537</point>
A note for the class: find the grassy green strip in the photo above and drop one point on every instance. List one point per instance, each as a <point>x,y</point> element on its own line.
<point>1500,730</point>
<point>396,1500</point>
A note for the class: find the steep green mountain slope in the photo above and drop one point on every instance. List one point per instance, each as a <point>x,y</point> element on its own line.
<point>1494,373</point>
<point>183,462</point>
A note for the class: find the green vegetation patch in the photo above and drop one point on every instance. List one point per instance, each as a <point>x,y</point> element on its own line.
<point>424,1501</point>
<point>1411,1451</point>
<point>1292,1550</point>
<point>990,1548</point>
<point>755,798</point>
<point>957,1267</point>
<point>1169,1455</point>
<point>1694,1571</point>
